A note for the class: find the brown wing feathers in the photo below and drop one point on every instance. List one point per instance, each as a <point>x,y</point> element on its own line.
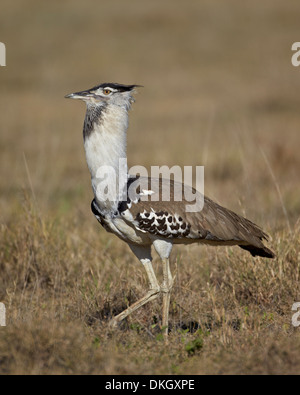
<point>213,225</point>
<point>225,225</point>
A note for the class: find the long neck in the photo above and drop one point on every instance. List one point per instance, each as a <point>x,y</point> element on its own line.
<point>105,142</point>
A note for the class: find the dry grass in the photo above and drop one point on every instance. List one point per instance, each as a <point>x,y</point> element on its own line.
<point>220,91</point>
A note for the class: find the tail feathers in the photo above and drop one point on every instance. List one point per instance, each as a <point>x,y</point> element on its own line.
<point>259,251</point>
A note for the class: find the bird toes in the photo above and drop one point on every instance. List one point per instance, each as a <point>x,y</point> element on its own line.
<point>113,323</point>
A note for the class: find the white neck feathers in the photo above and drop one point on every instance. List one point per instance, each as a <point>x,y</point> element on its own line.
<point>106,155</point>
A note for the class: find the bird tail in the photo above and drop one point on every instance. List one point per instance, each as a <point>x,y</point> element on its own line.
<point>259,251</point>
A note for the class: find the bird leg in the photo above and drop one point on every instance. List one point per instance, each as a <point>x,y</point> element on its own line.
<point>166,288</point>
<point>152,294</point>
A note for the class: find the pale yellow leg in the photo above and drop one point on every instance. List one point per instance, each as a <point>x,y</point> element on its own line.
<point>166,288</point>
<point>152,294</point>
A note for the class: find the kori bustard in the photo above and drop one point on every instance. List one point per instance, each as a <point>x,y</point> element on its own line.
<point>143,218</point>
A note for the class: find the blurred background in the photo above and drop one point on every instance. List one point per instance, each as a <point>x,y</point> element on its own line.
<point>219,90</point>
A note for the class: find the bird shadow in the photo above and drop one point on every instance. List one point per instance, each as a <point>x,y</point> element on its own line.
<point>111,308</point>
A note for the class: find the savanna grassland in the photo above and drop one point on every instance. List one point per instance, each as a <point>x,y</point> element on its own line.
<point>220,91</point>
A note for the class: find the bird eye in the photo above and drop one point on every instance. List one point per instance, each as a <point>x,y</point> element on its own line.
<point>107,92</point>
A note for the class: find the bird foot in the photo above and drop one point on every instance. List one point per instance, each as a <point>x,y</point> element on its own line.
<point>113,323</point>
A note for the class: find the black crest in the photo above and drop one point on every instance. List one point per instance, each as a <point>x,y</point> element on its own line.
<point>119,87</point>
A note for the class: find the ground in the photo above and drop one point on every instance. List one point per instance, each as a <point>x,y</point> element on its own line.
<point>219,90</point>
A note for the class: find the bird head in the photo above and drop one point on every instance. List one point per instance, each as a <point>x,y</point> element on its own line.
<point>107,94</point>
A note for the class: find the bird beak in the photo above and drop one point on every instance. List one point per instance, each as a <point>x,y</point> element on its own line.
<point>79,95</point>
